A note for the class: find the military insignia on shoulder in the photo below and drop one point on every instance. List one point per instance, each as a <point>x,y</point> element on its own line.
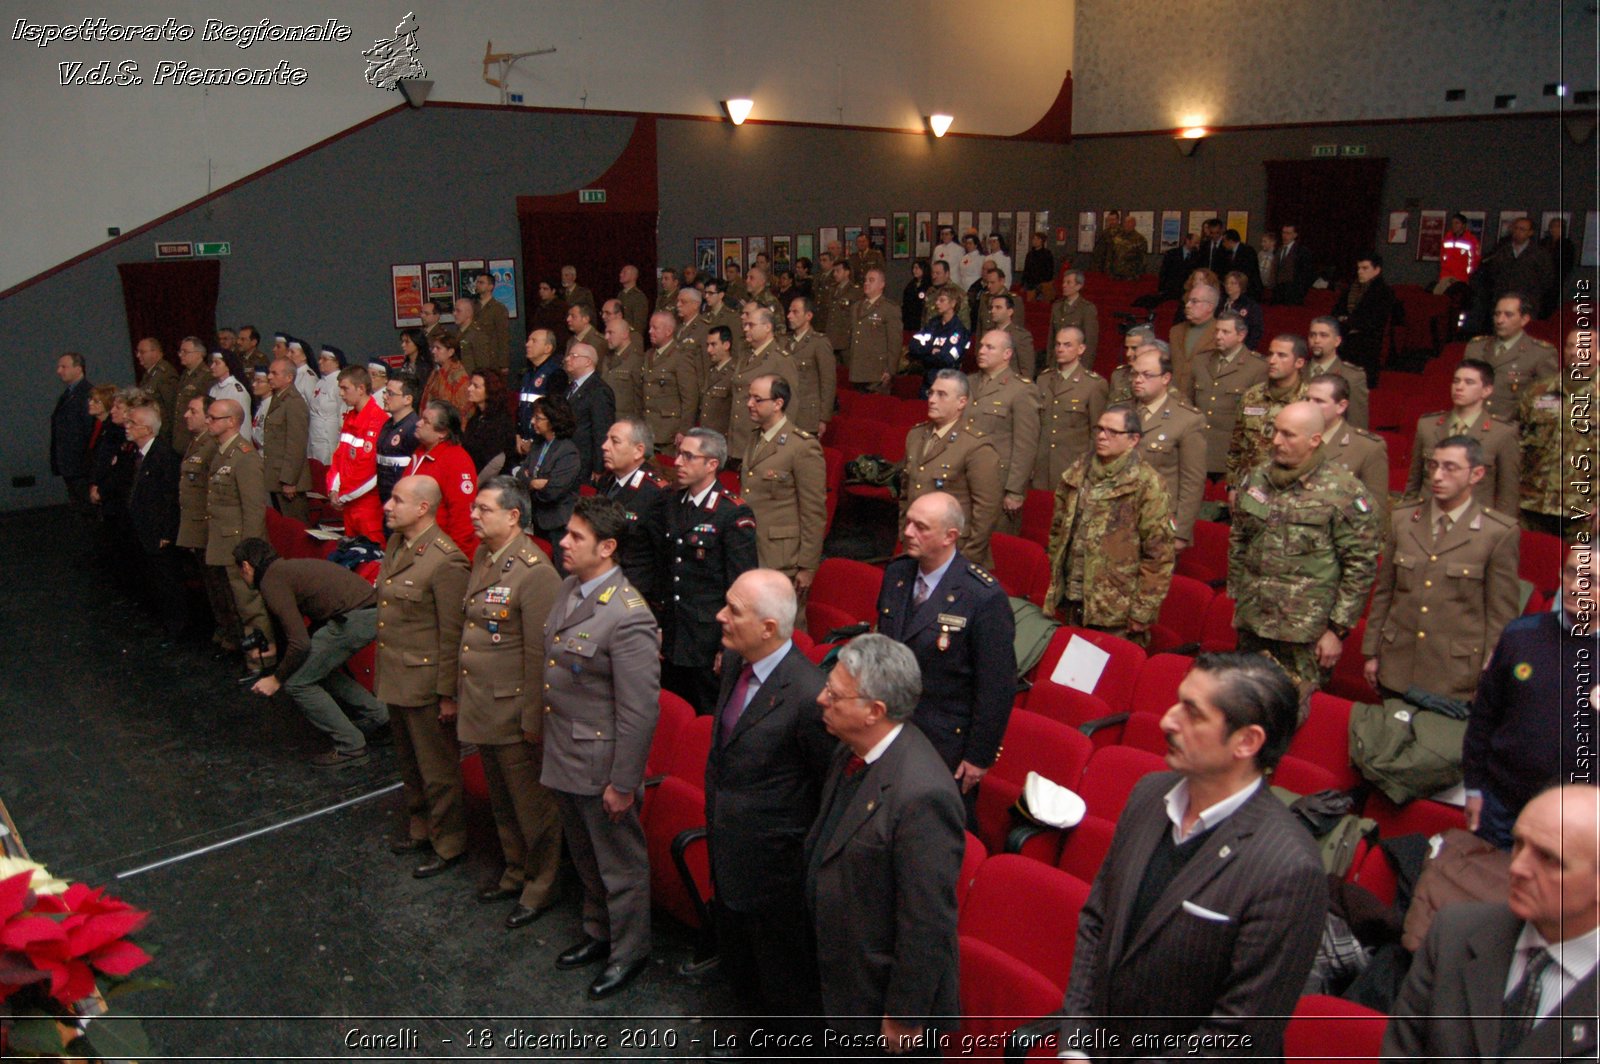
<point>981,573</point>
<point>1543,343</point>
<point>444,543</point>
<point>803,434</point>
<point>245,448</point>
<point>606,595</point>
<point>633,603</point>
<point>745,522</point>
<point>1367,435</point>
<point>1362,505</point>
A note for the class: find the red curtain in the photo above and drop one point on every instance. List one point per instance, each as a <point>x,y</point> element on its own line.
<point>597,243</point>
<point>171,300</point>
<point>1335,203</point>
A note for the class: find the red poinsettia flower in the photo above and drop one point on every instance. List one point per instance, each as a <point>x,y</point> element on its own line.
<point>64,937</point>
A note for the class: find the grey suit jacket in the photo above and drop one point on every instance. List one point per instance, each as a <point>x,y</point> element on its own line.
<point>1449,1007</point>
<point>1228,945</point>
<point>882,890</point>
<point>602,688</point>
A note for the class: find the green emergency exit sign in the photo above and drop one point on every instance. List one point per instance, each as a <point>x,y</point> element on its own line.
<point>213,248</point>
<point>591,195</point>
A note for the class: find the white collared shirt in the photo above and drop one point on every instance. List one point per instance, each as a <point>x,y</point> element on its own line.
<point>883,744</point>
<point>1177,801</point>
<point>1574,960</point>
<point>699,500</point>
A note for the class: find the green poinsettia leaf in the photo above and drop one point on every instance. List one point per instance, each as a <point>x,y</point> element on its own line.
<point>110,1037</point>
<point>116,988</point>
<point>36,1036</point>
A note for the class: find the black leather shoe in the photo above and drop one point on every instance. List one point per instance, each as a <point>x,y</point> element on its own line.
<point>615,977</point>
<point>404,846</point>
<point>522,916</point>
<point>584,953</point>
<point>435,865</point>
<point>493,894</point>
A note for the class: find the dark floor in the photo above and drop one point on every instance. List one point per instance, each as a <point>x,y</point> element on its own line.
<point>119,753</point>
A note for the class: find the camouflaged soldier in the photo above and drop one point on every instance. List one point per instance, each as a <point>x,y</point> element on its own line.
<point>1302,553</point>
<point>1518,359</point>
<point>1125,259</point>
<point>1072,397</point>
<point>947,453</point>
<point>1259,407</point>
<point>1558,439</point>
<point>1111,539</point>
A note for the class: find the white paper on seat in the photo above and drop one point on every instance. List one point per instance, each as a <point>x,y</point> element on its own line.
<point>1080,666</point>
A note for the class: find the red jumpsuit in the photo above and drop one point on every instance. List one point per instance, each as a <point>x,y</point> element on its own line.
<point>451,466</point>
<point>353,472</point>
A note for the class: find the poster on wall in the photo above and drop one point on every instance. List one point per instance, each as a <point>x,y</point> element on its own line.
<point>1145,223</point>
<point>467,271</point>
<point>441,281</point>
<point>782,252</point>
<point>1002,229</point>
<point>1399,227</point>
<point>963,223</point>
<point>1197,220</point>
<point>805,247</point>
<point>505,284</point>
<point>1041,222</point>
<point>947,218</point>
<point>1087,230</point>
<point>901,235</point>
<point>1023,242</point>
<point>985,227</point>
<point>924,246</point>
<point>406,287</point>
<point>827,236</point>
<point>1430,236</point>
<point>1171,230</point>
<point>705,256</point>
<point>732,257</point>
<point>753,246</point>
<point>1239,221</point>
<point>850,234</point>
<point>1591,239</point>
<point>877,235</point>
<point>1506,218</point>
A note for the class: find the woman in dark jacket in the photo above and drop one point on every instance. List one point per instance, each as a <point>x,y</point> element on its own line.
<point>1039,268</point>
<point>105,438</point>
<point>1236,297</point>
<point>419,363</point>
<point>912,300</point>
<point>550,472</point>
<point>491,431</point>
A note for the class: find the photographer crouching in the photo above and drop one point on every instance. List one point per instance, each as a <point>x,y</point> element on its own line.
<point>343,607</point>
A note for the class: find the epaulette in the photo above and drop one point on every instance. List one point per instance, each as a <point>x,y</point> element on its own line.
<point>803,434</point>
<point>445,543</point>
<point>529,555</point>
<point>981,573</point>
<point>631,598</point>
<point>1415,507</point>
<point>1499,518</point>
<point>245,448</point>
<point>1442,416</point>
<point>1542,343</point>
<point>657,479</point>
<point>1367,434</point>
<point>1475,339</point>
<point>1092,375</point>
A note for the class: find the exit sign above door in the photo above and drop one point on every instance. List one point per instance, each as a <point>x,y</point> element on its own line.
<point>591,195</point>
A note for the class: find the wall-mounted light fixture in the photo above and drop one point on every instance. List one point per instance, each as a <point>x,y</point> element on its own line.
<point>1189,139</point>
<point>415,90</point>
<point>737,110</point>
<point>938,125</point>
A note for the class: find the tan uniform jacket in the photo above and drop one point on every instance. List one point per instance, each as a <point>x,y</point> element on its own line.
<point>1022,344</point>
<point>822,296</point>
<point>496,323</point>
<point>1217,391</point>
<point>236,500</point>
<point>579,294</point>
<point>784,482</point>
<point>766,298</point>
<point>667,301</point>
<point>669,394</point>
<point>875,340</point>
<point>1005,408</point>
<point>625,374</point>
<point>284,436</point>
<point>1071,407</point>
<point>691,336</point>
<point>716,398</point>
<point>1183,359</point>
<point>194,480</point>
<point>965,464</point>
<point>477,349</point>
<point>501,689</point>
<point>635,308</point>
<point>1174,445</point>
<point>1081,313</point>
<point>1525,362</point>
<point>194,382</point>
<point>420,589</point>
<point>1500,489</point>
<point>1359,412</point>
<point>815,379</point>
<point>1366,456</point>
<point>161,381</point>
<point>862,261</point>
<point>1438,608</point>
<point>841,314</point>
<point>771,359</point>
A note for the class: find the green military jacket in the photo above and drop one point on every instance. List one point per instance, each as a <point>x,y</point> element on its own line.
<point>1558,442</point>
<point>1252,430</point>
<point>1124,522</point>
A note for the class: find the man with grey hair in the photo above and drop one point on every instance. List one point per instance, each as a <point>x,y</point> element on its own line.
<point>761,355</point>
<point>769,755</point>
<point>1071,309</point>
<point>236,510</point>
<point>1194,337</point>
<point>949,453</point>
<point>883,857</point>
<point>152,508</point>
<point>594,407</point>
<point>1121,386</point>
<point>643,493</point>
<point>688,330</point>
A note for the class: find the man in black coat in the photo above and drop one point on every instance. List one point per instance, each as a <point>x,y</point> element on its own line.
<point>1364,313</point>
<point>769,755</point>
<point>1176,266</point>
<point>70,428</point>
<point>594,406</point>
<point>1241,257</point>
<point>152,514</point>
<point>643,494</point>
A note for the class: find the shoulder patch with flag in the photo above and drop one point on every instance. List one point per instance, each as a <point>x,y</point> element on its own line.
<point>1362,505</point>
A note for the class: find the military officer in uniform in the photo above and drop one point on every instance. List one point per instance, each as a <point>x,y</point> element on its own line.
<point>158,378</point>
<point>947,453</point>
<point>1447,585</point>
<point>624,370</point>
<point>865,257</point>
<point>284,439</point>
<point>711,539</point>
<point>1072,397</point>
<point>510,593</point>
<point>421,584</point>
<point>635,304</point>
<point>1221,377</point>
<point>477,346</point>
<point>842,294</point>
<point>1323,338</point>
<point>1500,487</point>
<point>1072,309</point>
<point>670,399</point>
<point>1302,553</point>
<point>1518,359</point>
<point>811,353</point>
<point>784,481</point>
<point>764,353</point>
<point>1558,440</point>
<point>1111,542</point>
<point>194,481</point>
<point>643,493</point>
<point>1364,454</point>
<point>667,298</point>
<point>760,295</point>
<point>690,331</point>
<point>195,383</point>
<point>1260,405</point>
<point>875,338</point>
<point>718,310</point>
<point>580,322</point>
<point>492,315</point>
<point>1174,437</point>
<point>956,619</point>
<point>1005,408</point>
<point>602,696</point>
<point>716,392</point>
<point>1192,339</point>
<point>1121,381</point>
<point>236,510</point>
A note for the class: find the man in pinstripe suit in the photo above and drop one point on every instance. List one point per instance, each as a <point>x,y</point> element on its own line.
<point>1202,923</point>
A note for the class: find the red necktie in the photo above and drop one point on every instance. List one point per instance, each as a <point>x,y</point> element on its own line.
<point>854,765</point>
<point>735,707</point>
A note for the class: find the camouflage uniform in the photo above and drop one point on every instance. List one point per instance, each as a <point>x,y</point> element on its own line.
<point>1252,432</point>
<point>1558,449</point>
<point>1301,559</point>
<point>1125,260</point>
<point>1111,544</point>
<point>1120,386</point>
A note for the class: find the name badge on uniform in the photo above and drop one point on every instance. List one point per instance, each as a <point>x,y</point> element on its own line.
<point>952,621</point>
<point>1258,495</point>
<point>1254,411</point>
<point>1547,402</point>
<point>495,596</point>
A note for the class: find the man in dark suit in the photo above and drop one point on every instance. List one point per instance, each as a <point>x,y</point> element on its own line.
<point>769,754</point>
<point>1209,253</point>
<point>956,619</point>
<point>1514,981</point>
<point>1364,313</point>
<point>1206,913</point>
<point>883,858</point>
<point>1292,274</point>
<point>1176,265</point>
<point>1241,257</point>
<point>70,428</point>
<point>594,406</point>
<point>152,506</point>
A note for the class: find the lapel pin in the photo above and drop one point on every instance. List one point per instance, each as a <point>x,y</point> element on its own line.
<point>1225,851</point>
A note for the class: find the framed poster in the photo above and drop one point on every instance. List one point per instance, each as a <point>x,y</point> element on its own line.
<point>732,257</point>
<point>1023,243</point>
<point>850,234</point>
<point>705,256</point>
<point>1399,227</point>
<point>985,227</point>
<point>1171,230</point>
<point>877,235</point>
<point>946,218</point>
<point>805,247</point>
<point>406,289</point>
<point>901,235</point>
<point>1197,220</point>
<point>924,234</point>
<point>1002,226</point>
<point>1590,253</point>
<point>441,286</point>
<point>782,252</point>
<point>827,235</point>
<point>1549,216</point>
<point>505,284</point>
<point>1088,229</point>
<point>467,271</point>
<point>1145,223</point>
<point>1239,220</point>
<point>1506,218</point>
<point>1476,220</point>
<point>1430,236</point>
<point>963,223</point>
<point>753,246</point>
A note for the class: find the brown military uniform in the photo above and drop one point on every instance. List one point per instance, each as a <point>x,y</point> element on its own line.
<point>840,318</point>
<point>501,694</point>
<point>496,322</point>
<point>236,510</point>
<point>766,298</point>
<point>624,372</point>
<point>862,261</point>
<point>784,482</point>
<point>194,479</point>
<point>1120,384</point>
<point>1218,387</point>
<point>477,349</point>
<point>669,398</point>
<point>746,368</point>
<point>1515,368</point>
<point>635,308</point>
<point>1174,445</point>
<point>579,294</point>
<point>1440,602</point>
<point>1079,313</point>
<point>1252,431</point>
<point>194,382</point>
<point>667,301</point>
<point>1022,344</point>
<point>1358,413</point>
<point>420,590</point>
<point>1500,489</point>
<point>691,336</point>
<point>716,398</point>
<point>1185,354</point>
<point>964,463</point>
<point>284,435</point>
<point>161,381</point>
<point>1005,408</point>
<point>1366,456</point>
<point>1071,407</point>
<point>875,341</point>
<point>815,379</point>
